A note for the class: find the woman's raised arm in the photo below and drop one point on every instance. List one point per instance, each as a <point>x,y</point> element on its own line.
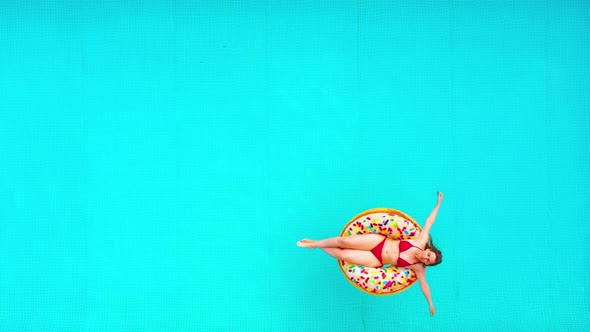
<point>423,238</point>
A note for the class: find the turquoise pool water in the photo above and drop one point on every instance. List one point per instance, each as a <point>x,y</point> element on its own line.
<point>161,159</point>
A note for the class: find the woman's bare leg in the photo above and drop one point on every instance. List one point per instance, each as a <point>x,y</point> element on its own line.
<point>359,242</point>
<point>360,257</point>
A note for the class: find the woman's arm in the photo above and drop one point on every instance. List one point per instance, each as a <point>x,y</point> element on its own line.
<point>423,238</point>
<point>425,289</point>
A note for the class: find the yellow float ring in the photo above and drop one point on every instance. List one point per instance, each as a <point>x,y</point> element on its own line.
<point>382,280</point>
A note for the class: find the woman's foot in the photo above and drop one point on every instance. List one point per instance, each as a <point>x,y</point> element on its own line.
<point>306,243</point>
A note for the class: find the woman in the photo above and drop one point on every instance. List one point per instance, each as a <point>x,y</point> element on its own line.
<point>375,250</point>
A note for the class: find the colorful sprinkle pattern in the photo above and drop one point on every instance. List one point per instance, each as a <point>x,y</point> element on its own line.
<point>384,280</point>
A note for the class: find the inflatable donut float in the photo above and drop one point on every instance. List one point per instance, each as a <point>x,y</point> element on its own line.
<point>382,280</point>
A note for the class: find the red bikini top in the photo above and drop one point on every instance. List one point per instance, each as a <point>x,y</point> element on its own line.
<point>403,246</point>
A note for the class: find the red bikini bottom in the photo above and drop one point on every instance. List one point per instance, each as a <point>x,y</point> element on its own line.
<point>378,250</point>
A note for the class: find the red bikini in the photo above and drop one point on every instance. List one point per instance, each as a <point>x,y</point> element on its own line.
<point>378,251</point>
<point>403,246</point>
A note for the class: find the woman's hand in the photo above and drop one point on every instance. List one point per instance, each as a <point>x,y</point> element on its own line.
<point>432,310</point>
<point>440,196</point>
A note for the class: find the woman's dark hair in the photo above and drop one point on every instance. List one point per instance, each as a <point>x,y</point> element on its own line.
<point>435,250</point>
